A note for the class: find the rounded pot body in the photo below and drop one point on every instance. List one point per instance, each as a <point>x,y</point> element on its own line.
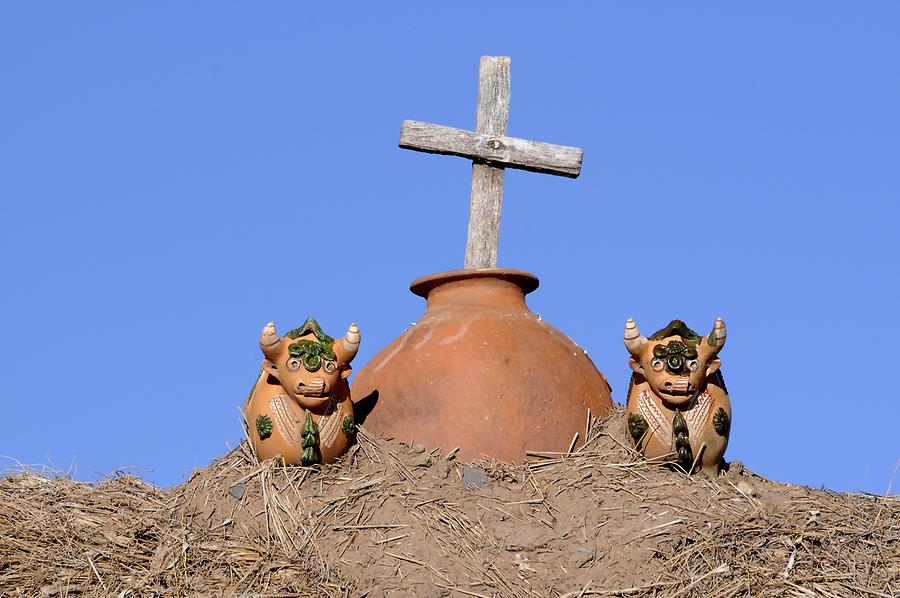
<point>481,372</point>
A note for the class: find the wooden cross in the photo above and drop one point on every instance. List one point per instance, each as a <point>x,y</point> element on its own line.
<point>491,151</point>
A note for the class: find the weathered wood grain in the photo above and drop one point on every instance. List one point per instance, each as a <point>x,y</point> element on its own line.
<point>483,241</point>
<point>492,114</point>
<point>501,151</point>
<point>486,200</point>
<point>491,151</point>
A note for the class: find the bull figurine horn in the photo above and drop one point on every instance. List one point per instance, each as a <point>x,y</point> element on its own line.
<point>349,344</point>
<point>716,337</point>
<point>268,341</point>
<point>633,337</point>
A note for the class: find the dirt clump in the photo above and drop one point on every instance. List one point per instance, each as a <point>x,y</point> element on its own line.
<point>391,520</point>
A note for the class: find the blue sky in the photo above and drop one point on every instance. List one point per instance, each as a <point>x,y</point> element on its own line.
<point>169,171</point>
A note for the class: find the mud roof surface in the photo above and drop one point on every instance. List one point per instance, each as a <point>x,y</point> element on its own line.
<point>391,520</point>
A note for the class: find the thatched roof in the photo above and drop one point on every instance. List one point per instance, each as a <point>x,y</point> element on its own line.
<point>390,520</point>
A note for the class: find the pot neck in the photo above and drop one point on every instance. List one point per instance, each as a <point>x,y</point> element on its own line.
<point>484,293</point>
<point>484,289</point>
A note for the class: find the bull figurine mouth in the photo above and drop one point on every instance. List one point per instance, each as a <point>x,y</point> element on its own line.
<point>681,386</point>
<point>315,389</point>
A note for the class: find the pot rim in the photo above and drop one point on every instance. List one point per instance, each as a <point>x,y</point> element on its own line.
<point>526,281</point>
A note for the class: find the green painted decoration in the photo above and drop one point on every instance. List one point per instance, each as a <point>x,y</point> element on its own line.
<point>721,422</point>
<point>348,426</point>
<point>682,441</point>
<point>311,352</point>
<point>310,434</point>
<point>674,353</point>
<point>637,427</point>
<point>677,328</point>
<point>673,348</point>
<point>310,325</point>
<point>263,426</point>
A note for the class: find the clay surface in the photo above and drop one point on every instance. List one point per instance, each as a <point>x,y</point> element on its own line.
<point>300,408</point>
<point>481,372</point>
<point>678,407</point>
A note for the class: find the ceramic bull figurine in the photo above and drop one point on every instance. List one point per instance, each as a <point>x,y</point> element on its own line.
<point>300,408</point>
<point>678,407</point>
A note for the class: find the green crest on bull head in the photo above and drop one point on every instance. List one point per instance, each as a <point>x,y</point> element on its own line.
<point>677,328</point>
<point>311,352</point>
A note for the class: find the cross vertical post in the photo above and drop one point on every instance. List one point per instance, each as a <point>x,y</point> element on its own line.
<point>486,201</point>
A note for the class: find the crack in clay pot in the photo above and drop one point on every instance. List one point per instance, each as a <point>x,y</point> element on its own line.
<point>465,328</point>
<point>432,325</point>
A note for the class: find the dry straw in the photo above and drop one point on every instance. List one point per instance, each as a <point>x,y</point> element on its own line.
<point>388,520</point>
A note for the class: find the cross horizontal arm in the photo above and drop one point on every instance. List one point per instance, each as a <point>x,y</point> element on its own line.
<point>497,150</point>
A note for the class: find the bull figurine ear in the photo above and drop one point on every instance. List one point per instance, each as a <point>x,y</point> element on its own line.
<point>270,368</point>
<point>346,347</point>
<point>712,367</point>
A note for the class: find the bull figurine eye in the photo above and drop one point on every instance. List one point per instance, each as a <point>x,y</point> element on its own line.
<point>657,364</point>
<point>329,367</point>
<point>293,364</point>
<point>693,365</point>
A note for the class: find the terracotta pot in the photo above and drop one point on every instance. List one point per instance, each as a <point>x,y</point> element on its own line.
<point>481,372</point>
